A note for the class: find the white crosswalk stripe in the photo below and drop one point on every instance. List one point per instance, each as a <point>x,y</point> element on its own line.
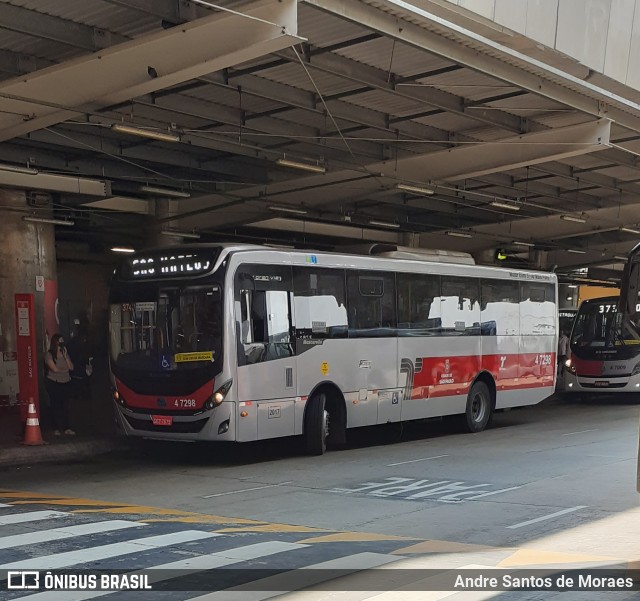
<point>187,566</point>
<point>44,536</point>
<point>71,558</point>
<point>303,578</point>
<point>4,505</point>
<point>31,516</point>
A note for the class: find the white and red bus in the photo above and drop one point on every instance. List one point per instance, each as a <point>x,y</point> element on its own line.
<point>242,343</point>
<point>605,340</point>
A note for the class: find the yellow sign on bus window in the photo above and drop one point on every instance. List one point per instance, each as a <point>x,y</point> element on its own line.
<point>202,356</point>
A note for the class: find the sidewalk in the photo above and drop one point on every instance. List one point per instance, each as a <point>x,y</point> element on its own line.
<point>91,418</point>
<point>59,449</point>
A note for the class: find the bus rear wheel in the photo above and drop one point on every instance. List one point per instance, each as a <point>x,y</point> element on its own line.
<point>479,408</point>
<point>316,425</point>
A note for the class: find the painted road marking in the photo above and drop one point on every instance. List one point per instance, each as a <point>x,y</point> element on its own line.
<point>548,517</point>
<point>71,558</point>
<point>447,491</point>
<point>31,516</point>
<point>580,432</point>
<point>415,460</point>
<point>4,505</point>
<point>300,579</point>
<point>192,565</point>
<point>495,492</point>
<point>235,492</point>
<point>43,536</point>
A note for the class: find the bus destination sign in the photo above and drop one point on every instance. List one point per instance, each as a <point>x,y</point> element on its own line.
<point>169,265</point>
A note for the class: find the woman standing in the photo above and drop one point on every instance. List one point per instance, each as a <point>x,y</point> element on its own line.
<point>58,384</point>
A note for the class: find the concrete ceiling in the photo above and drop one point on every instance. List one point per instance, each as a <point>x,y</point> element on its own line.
<point>374,95</point>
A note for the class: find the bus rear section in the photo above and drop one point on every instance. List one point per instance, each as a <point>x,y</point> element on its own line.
<point>604,356</point>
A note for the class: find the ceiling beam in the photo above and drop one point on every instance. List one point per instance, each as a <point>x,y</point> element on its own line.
<point>123,71</point>
<point>56,29</point>
<point>15,63</point>
<point>413,25</point>
<point>466,162</point>
<point>172,11</point>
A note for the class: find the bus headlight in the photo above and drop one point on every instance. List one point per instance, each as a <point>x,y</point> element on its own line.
<point>118,398</point>
<point>636,370</point>
<point>219,395</point>
<point>569,366</point>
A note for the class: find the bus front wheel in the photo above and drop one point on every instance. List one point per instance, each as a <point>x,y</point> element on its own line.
<point>316,427</point>
<point>479,408</point>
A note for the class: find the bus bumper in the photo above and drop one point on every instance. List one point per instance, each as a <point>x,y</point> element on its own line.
<point>214,425</point>
<point>571,383</point>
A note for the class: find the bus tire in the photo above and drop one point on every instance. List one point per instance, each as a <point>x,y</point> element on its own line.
<point>479,408</point>
<point>316,425</point>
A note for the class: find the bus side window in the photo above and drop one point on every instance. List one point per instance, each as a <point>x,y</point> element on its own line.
<point>263,315</point>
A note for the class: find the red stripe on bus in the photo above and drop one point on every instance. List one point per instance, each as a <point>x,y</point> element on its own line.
<point>444,376</point>
<point>587,368</point>
<point>163,401</point>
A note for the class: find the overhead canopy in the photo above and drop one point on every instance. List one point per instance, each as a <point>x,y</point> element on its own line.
<point>381,93</point>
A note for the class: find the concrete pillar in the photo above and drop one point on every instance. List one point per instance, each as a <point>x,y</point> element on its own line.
<point>540,260</point>
<point>27,250</point>
<point>410,239</point>
<point>164,207</point>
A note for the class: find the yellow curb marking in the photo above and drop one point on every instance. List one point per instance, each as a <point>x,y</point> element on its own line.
<point>70,502</point>
<point>273,528</point>
<point>352,537</point>
<point>443,546</point>
<point>26,495</point>
<point>174,513</point>
<point>528,557</point>
<point>197,519</point>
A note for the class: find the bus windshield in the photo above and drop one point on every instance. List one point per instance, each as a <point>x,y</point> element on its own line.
<point>180,329</point>
<point>599,324</point>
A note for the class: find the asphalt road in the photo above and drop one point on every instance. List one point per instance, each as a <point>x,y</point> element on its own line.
<point>547,486</point>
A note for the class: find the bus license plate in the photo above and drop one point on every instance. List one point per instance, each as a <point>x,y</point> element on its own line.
<point>162,420</point>
<point>601,384</point>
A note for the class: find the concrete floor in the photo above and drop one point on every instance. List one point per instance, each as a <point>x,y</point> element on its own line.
<point>548,485</point>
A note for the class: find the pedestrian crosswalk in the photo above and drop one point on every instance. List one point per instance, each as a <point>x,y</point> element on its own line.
<point>189,561</point>
<point>49,540</point>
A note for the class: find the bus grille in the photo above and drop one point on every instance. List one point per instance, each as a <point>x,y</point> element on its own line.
<point>610,385</point>
<point>176,427</point>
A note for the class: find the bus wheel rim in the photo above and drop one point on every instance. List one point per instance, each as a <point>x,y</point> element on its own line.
<point>478,408</point>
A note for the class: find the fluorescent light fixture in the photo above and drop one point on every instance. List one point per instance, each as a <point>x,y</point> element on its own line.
<point>505,205</point>
<point>284,209</point>
<point>571,286</point>
<point>165,192</point>
<point>573,218</point>
<point>629,230</point>
<point>521,243</point>
<point>123,249</point>
<point>49,221</point>
<point>575,251</point>
<point>302,166</point>
<point>415,189</point>
<point>384,223</point>
<point>458,234</point>
<point>620,257</point>
<point>18,169</point>
<point>145,133</point>
<point>55,183</point>
<point>179,234</point>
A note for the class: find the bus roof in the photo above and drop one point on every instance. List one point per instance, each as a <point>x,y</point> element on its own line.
<point>389,257</point>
